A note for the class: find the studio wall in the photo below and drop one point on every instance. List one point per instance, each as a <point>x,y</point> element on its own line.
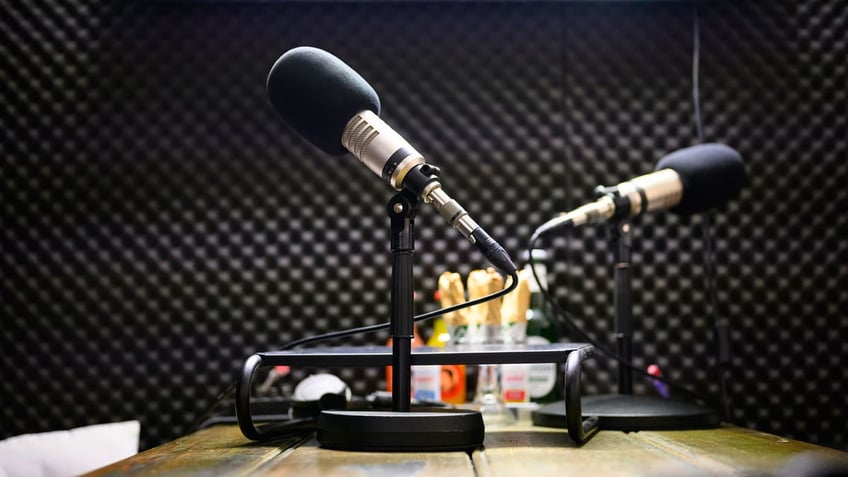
<point>160,223</point>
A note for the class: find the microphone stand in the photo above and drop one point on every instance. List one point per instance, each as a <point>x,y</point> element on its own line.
<point>402,428</point>
<point>625,411</point>
<point>406,427</point>
<point>402,209</point>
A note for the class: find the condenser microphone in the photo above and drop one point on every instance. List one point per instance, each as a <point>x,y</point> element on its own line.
<point>689,180</point>
<point>333,107</point>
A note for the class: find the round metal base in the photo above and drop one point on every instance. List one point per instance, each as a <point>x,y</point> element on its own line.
<point>626,412</point>
<point>418,430</point>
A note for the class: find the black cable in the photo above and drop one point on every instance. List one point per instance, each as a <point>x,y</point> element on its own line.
<point>719,326</point>
<point>229,391</point>
<point>569,320</point>
<point>696,59</point>
<point>416,319</point>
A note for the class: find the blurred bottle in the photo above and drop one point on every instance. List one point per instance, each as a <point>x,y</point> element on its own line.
<point>440,336</point>
<point>453,376</point>
<point>541,329</point>
<point>515,378</point>
<point>485,326</point>
<point>426,383</point>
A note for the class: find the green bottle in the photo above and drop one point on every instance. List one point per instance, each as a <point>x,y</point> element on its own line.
<point>541,329</point>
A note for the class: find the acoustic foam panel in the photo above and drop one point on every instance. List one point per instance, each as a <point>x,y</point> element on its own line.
<point>160,224</point>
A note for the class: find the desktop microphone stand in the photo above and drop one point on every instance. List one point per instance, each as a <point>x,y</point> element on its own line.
<point>625,411</point>
<point>404,427</point>
<point>401,428</point>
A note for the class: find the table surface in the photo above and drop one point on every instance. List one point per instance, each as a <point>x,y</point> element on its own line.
<point>514,450</point>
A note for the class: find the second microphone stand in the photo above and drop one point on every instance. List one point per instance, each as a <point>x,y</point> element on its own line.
<point>625,411</point>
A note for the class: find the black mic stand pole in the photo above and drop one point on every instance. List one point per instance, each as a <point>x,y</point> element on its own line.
<point>402,209</point>
<point>621,246</point>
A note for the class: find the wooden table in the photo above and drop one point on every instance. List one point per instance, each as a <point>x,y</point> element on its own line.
<point>517,450</point>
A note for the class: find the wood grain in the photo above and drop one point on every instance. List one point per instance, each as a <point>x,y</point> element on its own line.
<point>309,460</point>
<point>514,450</point>
<point>219,450</point>
<point>729,450</point>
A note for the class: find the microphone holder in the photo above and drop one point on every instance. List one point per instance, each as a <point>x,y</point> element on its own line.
<point>625,411</point>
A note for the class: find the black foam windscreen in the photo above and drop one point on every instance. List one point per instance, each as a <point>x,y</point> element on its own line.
<point>711,174</point>
<point>317,94</point>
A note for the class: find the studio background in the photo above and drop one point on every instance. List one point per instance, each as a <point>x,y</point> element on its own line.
<point>160,223</point>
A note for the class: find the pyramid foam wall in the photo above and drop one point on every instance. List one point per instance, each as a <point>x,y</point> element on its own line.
<point>160,224</point>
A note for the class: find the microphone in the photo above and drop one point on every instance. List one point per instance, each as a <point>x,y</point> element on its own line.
<point>689,180</point>
<point>333,107</point>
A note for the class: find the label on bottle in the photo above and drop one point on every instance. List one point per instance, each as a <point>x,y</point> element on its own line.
<point>541,376</point>
<point>426,383</point>
<point>514,381</point>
